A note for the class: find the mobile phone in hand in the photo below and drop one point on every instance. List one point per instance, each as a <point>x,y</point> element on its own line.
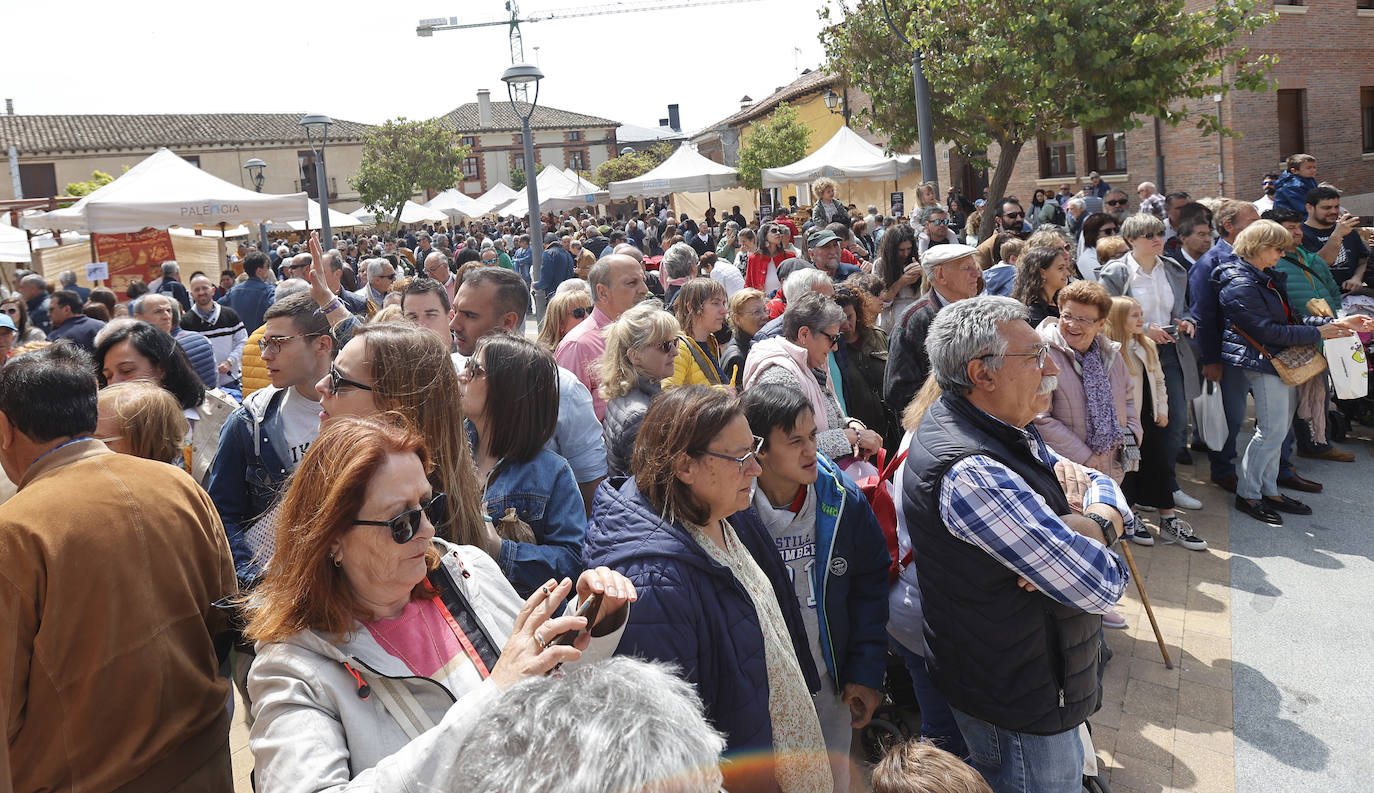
<point>589,609</point>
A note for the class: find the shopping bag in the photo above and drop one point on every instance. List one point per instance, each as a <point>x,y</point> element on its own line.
<point>1210,414</point>
<point>1349,369</point>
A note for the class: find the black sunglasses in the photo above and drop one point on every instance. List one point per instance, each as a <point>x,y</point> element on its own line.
<point>336,380</point>
<point>1118,203</point>
<point>581,312</point>
<point>1014,215</point>
<point>407,524</point>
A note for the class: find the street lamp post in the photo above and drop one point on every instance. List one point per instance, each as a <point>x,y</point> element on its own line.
<point>519,75</point>
<point>255,167</point>
<point>925,121</point>
<point>833,100</point>
<point>318,125</point>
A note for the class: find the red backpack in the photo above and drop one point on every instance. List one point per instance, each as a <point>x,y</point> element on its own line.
<point>878,491</point>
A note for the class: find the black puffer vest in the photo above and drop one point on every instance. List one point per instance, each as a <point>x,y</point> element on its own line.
<point>1016,659</point>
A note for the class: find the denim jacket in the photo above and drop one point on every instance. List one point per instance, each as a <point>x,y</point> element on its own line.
<point>544,494</point>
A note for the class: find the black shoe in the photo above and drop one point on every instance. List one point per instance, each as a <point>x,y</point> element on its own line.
<point>1184,457</point>
<point>1227,483</point>
<point>1295,482</point>
<point>1283,503</point>
<point>1199,446</point>
<point>1259,511</point>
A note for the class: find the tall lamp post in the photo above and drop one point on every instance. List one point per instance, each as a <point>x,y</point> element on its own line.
<point>925,122</point>
<point>519,75</point>
<point>317,125</point>
<point>255,167</point>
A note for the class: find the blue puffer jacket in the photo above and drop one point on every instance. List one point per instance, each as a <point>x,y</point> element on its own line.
<point>851,578</point>
<point>692,612</point>
<point>1291,191</point>
<point>1254,300</point>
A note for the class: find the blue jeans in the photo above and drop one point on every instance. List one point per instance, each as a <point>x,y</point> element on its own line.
<point>1018,762</point>
<point>937,721</point>
<point>1178,407</point>
<point>1259,466</point>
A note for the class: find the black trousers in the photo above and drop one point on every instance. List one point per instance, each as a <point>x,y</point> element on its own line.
<point>1149,486</point>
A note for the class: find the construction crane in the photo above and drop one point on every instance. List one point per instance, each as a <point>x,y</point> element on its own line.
<point>427,27</point>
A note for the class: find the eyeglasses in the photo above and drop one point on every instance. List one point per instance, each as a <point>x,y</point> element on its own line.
<point>1153,235</point>
<point>741,461</point>
<point>1120,202</point>
<point>407,524</point>
<point>391,277</point>
<point>474,369</point>
<point>1014,215</point>
<point>834,340</point>
<point>581,312</point>
<point>1072,320</point>
<point>1106,232</point>
<point>274,343</point>
<point>1041,350</point>
<point>666,347</point>
<point>492,260</point>
<point>940,222</point>
<point>336,380</point>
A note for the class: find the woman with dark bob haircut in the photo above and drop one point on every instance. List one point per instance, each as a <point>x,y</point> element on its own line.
<point>141,351</point>
<point>510,397</point>
<point>714,595</point>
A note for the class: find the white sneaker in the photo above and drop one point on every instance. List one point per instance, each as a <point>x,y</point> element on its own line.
<point>1185,501</point>
<point>1176,530</point>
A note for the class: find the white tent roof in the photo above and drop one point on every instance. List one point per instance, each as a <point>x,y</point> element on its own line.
<point>410,213</point>
<point>556,191</point>
<point>685,171</point>
<point>164,191</point>
<point>582,183</point>
<point>454,203</point>
<point>337,220</point>
<point>500,194</point>
<point>845,157</point>
<point>14,244</point>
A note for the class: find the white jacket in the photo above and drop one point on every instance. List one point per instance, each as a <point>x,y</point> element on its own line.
<point>312,730</point>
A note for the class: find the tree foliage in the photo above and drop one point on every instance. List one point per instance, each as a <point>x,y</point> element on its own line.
<point>781,139</point>
<point>98,180</point>
<point>402,157</point>
<point>629,166</point>
<point>1007,72</point>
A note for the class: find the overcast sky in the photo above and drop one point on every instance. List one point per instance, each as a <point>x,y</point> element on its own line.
<point>361,60</point>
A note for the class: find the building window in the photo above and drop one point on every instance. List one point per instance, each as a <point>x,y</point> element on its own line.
<point>517,162</point>
<point>194,159</point>
<point>519,139</point>
<point>1367,119</point>
<point>470,167</point>
<point>306,161</point>
<point>1107,152</point>
<point>39,181</point>
<point>1364,3</point>
<point>468,140</point>
<point>1291,139</point>
<point>577,160</point>
<point>575,136</point>
<point>1056,158</point>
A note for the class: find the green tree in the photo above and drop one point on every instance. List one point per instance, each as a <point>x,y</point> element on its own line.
<point>780,139</point>
<point>1007,72</point>
<point>629,166</point>
<point>98,180</point>
<point>402,157</point>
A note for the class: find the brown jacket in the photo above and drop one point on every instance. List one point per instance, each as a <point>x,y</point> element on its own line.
<point>108,675</point>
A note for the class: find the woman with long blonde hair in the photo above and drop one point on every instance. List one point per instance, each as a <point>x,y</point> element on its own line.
<point>399,367</point>
<point>565,311</point>
<point>641,349</point>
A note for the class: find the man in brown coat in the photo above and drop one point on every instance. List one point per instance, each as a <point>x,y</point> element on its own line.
<point>108,674</point>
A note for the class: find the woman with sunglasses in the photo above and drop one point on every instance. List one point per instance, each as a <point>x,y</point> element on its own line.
<point>19,313</point>
<point>1160,285</point>
<point>406,371</point>
<point>565,311</point>
<point>700,309</point>
<point>761,269</point>
<point>641,347</point>
<point>510,395</point>
<point>798,359</point>
<point>714,594</point>
<point>1095,227</point>
<point>380,644</point>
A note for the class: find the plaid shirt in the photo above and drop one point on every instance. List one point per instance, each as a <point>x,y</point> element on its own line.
<point>988,505</point>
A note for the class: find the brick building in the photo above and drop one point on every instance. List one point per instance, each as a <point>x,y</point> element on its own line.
<point>51,151</point>
<point>493,130</point>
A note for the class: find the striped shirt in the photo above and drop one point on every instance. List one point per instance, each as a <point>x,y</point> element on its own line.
<point>988,505</point>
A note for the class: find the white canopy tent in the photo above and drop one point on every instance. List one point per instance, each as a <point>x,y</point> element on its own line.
<point>337,220</point>
<point>454,204</point>
<point>14,244</point>
<point>500,194</point>
<point>685,171</point>
<point>411,212</point>
<point>164,191</point>
<point>845,157</point>
<point>556,191</point>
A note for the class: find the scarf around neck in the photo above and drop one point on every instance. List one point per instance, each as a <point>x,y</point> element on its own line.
<point>1103,429</point>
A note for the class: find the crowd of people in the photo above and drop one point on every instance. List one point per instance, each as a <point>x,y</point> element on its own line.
<point>637,549</point>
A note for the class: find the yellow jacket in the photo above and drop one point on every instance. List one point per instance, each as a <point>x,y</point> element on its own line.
<point>688,370</point>
<point>254,370</point>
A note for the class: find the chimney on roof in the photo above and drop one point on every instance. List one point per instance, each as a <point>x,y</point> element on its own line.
<point>484,119</point>
<point>674,120</point>
<point>745,101</point>
<point>9,107</point>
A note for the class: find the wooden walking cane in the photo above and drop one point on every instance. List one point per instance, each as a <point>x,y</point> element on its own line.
<point>1149,612</point>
